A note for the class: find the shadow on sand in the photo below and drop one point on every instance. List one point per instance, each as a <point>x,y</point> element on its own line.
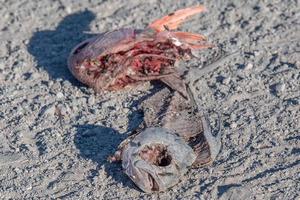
<point>96,143</point>
<point>51,48</point>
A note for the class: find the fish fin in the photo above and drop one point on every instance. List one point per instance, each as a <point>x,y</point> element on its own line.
<point>173,20</point>
<point>189,37</point>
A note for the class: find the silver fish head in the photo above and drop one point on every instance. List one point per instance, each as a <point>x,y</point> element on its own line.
<point>156,159</point>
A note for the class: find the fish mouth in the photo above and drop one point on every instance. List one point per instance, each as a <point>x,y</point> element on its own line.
<point>156,154</point>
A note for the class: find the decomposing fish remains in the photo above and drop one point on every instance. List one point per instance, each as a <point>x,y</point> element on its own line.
<point>171,140</point>
<point>128,56</point>
<point>156,159</point>
<point>175,135</point>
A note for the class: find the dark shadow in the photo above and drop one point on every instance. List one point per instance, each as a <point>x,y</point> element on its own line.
<point>224,188</point>
<point>274,89</point>
<point>51,48</point>
<point>272,170</point>
<point>204,186</point>
<point>96,143</point>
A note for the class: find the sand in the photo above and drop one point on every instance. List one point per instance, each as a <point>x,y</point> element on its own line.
<point>56,133</point>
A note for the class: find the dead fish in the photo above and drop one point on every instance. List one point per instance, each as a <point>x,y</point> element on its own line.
<point>171,124</point>
<point>129,56</point>
<point>156,159</point>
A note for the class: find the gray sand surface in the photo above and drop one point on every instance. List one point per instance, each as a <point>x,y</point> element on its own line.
<point>56,133</point>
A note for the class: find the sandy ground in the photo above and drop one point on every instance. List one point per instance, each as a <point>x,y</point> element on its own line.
<point>56,133</point>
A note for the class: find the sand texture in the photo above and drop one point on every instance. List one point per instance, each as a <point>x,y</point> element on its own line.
<point>56,134</point>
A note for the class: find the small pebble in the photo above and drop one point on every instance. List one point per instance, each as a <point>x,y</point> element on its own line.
<point>233,125</point>
<point>226,80</point>
<point>55,86</point>
<point>256,53</point>
<point>60,95</point>
<point>34,76</point>
<point>249,66</point>
<point>297,64</point>
<point>26,42</point>
<point>50,110</point>
<point>17,170</point>
<point>66,84</point>
<point>233,116</point>
<point>50,83</point>
<point>69,10</point>
<point>278,88</point>
<point>126,110</point>
<point>91,100</point>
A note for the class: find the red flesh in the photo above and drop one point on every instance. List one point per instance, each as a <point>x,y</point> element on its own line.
<point>143,59</point>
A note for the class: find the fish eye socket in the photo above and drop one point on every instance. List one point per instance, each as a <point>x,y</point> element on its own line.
<point>165,161</point>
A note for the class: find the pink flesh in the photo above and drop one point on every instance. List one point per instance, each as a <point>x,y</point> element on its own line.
<point>145,58</point>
